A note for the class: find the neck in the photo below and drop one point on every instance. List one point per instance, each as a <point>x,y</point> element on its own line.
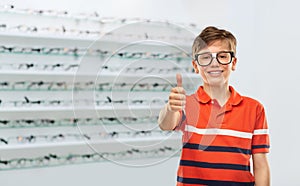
<point>221,92</point>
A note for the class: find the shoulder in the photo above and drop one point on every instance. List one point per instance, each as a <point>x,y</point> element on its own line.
<point>252,103</point>
<point>249,102</point>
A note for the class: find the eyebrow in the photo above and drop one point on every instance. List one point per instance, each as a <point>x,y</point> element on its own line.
<point>207,51</point>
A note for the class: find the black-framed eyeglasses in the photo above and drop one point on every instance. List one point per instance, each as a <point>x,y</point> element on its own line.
<point>223,57</point>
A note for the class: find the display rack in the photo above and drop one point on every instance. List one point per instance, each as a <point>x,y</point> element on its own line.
<point>79,88</point>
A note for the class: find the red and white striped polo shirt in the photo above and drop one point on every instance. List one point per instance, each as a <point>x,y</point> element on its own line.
<point>218,141</point>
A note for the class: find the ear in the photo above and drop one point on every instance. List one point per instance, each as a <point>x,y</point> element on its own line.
<point>195,67</point>
<point>233,67</point>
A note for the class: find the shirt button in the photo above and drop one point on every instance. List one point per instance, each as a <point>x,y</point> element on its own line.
<point>212,102</point>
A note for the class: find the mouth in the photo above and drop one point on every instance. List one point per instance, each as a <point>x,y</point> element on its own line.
<point>215,72</point>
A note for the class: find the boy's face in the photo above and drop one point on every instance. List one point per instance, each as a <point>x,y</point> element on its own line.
<point>215,74</point>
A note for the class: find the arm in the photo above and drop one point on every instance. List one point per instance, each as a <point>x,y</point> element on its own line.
<point>168,119</point>
<point>261,169</point>
<point>169,116</point>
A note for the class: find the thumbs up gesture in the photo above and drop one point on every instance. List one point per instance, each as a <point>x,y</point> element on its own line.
<point>177,97</point>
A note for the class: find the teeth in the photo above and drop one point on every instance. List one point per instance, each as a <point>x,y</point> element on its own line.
<point>215,72</point>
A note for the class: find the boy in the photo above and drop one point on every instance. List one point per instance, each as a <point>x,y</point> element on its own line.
<point>221,129</point>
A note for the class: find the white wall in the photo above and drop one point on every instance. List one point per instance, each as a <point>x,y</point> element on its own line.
<point>268,69</point>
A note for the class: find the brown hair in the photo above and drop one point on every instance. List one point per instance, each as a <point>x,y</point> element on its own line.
<point>211,34</point>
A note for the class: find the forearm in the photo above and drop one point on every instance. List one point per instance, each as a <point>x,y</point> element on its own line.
<point>262,176</point>
<point>167,119</point>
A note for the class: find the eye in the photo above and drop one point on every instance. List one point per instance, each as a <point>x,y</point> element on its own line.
<point>205,56</point>
<point>224,55</point>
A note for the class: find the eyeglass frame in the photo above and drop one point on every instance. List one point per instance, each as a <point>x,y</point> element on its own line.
<point>214,55</point>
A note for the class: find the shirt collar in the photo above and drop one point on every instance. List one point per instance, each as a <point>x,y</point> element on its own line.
<point>203,97</point>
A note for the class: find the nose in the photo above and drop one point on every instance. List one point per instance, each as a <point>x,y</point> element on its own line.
<point>214,62</point>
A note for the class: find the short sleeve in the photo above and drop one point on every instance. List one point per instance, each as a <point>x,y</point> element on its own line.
<point>260,139</point>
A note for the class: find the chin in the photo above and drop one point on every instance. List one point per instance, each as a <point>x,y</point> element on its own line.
<point>215,82</point>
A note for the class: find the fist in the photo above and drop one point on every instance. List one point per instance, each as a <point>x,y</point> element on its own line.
<point>177,97</point>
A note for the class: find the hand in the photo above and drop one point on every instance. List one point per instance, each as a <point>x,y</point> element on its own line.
<point>177,97</point>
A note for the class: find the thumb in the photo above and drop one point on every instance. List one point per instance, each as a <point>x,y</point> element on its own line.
<point>179,80</point>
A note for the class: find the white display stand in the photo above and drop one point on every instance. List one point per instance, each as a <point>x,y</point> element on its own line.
<point>56,69</point>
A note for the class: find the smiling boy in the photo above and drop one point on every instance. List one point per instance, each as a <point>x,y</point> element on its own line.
<point>221,129</point>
